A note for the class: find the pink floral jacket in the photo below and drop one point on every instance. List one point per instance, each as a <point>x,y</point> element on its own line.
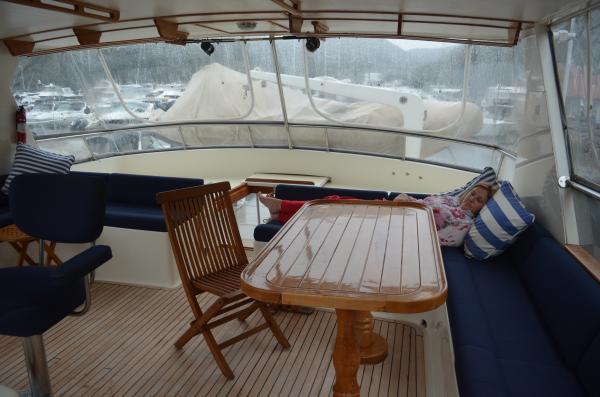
<point>452,222</point>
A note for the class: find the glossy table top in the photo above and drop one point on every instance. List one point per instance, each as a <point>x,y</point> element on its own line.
<point>352,254</point>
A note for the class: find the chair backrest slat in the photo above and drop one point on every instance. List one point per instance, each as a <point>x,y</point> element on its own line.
<point>203,230</point>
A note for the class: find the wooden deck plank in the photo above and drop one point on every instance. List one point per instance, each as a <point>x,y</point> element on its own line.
<point>124,346</point>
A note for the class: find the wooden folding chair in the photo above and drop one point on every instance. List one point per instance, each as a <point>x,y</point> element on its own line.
<point>210,256</point>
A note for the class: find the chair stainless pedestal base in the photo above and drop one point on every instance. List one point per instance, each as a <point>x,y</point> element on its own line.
<point>37,367</point>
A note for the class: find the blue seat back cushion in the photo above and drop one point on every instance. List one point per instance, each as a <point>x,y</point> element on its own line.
<point>3,196</point>
<point>521,249</point>
<point>5,216</point>
<point>41,202</point>
<point>305,193</point>
<point>133,216</point>
<point>142,189</point>
<point>418,196</point>
<point>265,232</point>
<point>568,300</point>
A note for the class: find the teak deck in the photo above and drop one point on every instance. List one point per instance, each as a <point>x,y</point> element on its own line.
<point>124,347</point>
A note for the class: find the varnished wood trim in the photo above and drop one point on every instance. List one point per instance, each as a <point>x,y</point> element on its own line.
<point>293,10</point>
<point>477,25</point>
<point>400,18</point>
<point>208,22</point>
<point>239,192</point>
<point>169,30</point>
<point>290,181</point>
<point>99,45</point>
<point>285,28</point>
<point>19,47</point>
<point>429,14</point>
<point>277,12</point>
<point>513,32</point>
<point>589,263</point>
<point>295,23</point>
<point>78,8</point>
<point>87,36</point>
<point>320,27</point>
<point>210,28</point>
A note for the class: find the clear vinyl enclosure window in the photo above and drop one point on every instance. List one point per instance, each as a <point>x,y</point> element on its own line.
<point>162,96</point>
<point>577,54</point>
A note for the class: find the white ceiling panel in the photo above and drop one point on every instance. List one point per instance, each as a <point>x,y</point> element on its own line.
<point>19,21</point>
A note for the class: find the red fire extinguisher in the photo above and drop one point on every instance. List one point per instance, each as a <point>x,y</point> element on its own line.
<point>21,120</point>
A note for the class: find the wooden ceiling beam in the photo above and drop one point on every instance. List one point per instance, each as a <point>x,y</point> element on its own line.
<point>291,9</point>
<point>320,27</point>
<point>400,18</point>
<point>19,47</point>
<point>295,23</point>
<point>513,32</point>
<point>169,30</point>
<point>73,7</point>
<point>87,36</point>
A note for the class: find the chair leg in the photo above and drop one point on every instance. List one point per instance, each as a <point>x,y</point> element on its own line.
<point>37,367</point>
<point>197,325</point>
<point>217,354</point>
<point>244,315</point>
<point>273,325</point>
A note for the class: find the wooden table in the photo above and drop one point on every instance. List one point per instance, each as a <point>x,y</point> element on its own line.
<point>20,240</point>
<point>355,256</point>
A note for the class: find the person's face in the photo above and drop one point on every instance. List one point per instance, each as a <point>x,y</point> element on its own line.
<point>474,200</point>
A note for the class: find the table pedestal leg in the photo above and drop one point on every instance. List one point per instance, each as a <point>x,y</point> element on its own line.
<point>373,347</point>
<point>346,356</point>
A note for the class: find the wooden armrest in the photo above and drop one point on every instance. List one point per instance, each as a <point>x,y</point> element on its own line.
<point>589,263</point>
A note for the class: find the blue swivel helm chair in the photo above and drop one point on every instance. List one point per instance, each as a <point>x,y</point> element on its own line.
<point>61,208</point>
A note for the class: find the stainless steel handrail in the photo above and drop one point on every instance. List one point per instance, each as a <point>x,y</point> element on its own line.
<point>280,124</point>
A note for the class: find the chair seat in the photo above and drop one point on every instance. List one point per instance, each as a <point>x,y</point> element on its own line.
<point>222,283</point>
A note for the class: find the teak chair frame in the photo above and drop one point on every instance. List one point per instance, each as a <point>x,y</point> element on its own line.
<point>210,256</point>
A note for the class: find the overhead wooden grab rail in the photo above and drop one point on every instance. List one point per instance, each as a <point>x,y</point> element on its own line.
<point>73,7</point>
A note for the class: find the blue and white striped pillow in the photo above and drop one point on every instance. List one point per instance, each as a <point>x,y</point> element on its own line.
<point>498,224</point>
<point>488,176</point>
<point>30,160</point>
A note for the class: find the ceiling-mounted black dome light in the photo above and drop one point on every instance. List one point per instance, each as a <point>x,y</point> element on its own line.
<point>207,47</point>
<point>312,43</point>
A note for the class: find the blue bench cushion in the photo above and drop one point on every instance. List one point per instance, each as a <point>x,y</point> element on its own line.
<point>266,231</point>
<point>134,216</point>
<point>305,193</point>
<point>5,217</point>
<point>142,189</point>
<point>501,343</point>
<point>568,299</point>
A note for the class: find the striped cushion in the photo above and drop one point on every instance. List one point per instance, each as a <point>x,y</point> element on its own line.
<point>30,160</point>
<point>498,224</point>
<point>488,175</point>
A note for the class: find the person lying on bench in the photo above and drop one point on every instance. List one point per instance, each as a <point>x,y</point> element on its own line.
<point>453,215</point>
